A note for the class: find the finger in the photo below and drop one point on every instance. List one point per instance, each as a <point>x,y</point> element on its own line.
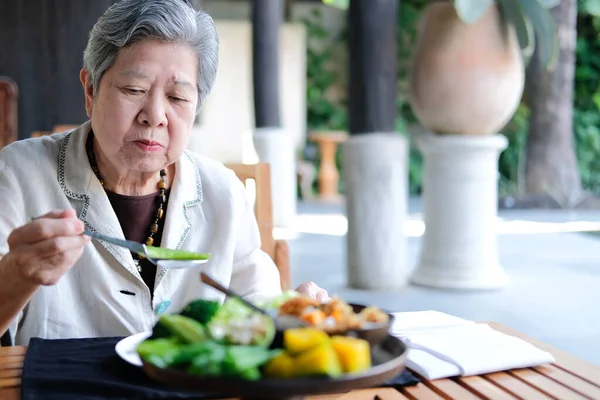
<point>45,228</point>
<point>322,296</point>
<point>59,245</point>
<point>62,262</point>
<point>68,213</point>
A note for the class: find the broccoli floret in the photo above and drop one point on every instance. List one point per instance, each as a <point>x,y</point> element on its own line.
<point>201,310</point>
<point>160,331</point>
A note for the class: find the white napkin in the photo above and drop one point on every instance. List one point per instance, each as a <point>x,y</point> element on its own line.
<point>453,347</point>
<point>410,323</point>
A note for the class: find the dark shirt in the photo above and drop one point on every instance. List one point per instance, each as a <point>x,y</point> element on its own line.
<point>136,214</point>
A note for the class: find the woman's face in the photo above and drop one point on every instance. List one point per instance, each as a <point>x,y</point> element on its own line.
<point>143,113</point>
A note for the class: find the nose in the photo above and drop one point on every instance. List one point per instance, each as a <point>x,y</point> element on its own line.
<point>154,112</point>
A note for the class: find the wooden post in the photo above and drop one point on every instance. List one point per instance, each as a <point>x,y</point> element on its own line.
<point>41,43</point>
<point>375,157</point>
<point>267,16</point>
<point>373,65</point>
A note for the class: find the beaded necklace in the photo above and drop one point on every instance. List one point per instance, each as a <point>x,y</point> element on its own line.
<point>162,197</point>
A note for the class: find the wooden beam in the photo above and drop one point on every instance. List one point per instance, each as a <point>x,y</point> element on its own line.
<point>267,16</point>
<point>372,86</point>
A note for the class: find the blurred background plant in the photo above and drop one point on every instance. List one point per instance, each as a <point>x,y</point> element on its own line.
<point>325,70</point>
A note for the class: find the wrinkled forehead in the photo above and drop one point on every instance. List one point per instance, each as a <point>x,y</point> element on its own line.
<point>151,61</point>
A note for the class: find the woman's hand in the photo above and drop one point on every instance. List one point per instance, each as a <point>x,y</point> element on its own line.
<point>42,251</point>
<point>313,291</point>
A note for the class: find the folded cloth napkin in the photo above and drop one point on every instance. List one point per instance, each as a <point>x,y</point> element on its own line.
<point>89,369</point>
<point>410,323</point>
<point>463,348</point>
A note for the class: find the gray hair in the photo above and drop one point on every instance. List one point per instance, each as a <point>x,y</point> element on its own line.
<point>130,21</point>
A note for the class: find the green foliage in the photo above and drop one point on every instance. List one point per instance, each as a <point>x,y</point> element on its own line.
<point>586,113</point>
<point>586,118</point>
<point>512,160</point>
<point>324,113</point>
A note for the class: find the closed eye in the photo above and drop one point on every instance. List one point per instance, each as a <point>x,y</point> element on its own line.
<point>177,99</point>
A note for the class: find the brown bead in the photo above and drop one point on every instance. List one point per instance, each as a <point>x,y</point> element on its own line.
<point>154,228</point>
<point>149,241</point>
<point>159,213</point>
<point>162,184</point>
<point>163,172</point>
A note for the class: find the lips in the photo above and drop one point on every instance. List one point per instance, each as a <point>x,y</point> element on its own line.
<point>148,145</point>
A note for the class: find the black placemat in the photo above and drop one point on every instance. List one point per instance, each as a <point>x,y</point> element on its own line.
<point>86,369</point>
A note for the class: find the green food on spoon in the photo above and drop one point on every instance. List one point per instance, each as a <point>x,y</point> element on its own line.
<point>183,255</point>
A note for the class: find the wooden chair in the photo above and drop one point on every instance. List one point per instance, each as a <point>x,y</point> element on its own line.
<point>9,95</point>
<point>55,129</point>
<point>278,250</point>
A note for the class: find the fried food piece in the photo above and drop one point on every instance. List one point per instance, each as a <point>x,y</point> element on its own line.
<point>374,315</point>
<point>297,305</point>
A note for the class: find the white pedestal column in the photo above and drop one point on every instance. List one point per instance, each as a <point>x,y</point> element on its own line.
<point>276,147</point>
<point>375,171</point>
<point>460,186</point>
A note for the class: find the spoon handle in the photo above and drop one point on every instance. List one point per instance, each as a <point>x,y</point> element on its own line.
<point>211,282</point>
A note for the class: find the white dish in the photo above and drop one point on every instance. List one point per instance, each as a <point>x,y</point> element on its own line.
<point>126,348</point>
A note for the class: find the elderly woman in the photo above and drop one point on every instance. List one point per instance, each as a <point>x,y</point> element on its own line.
<point>147,68</point>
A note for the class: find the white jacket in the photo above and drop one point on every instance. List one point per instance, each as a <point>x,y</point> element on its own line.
<point>208,211</point>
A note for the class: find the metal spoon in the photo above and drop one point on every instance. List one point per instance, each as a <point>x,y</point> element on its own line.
<point>282,322</point>
<point>168,258</point>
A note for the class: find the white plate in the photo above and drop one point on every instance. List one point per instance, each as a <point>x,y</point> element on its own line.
<point>126,348</point>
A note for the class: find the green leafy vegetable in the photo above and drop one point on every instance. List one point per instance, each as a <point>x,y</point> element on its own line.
<point>207,339</point>
<point>200,354</point>
<point>240,358</point>
<point>184,255</point>
<point>183,328</point>
<point>234,323</point>
<point>160,352</point>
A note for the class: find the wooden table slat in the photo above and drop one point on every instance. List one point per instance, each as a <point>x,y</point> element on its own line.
<point>516,386</point>
<point>11,360</point>
<point>11,365</point>
<point>572,381</point>
<point>564,360</point>
<point>9,394</point>
<point>10,373</point>
<point>369,394</point>
<point>484,388</point>
<point>10,383</point>
<point>448,388</point>
<point>547,385</point>
<point>13,351</point>
<point>420,392</point>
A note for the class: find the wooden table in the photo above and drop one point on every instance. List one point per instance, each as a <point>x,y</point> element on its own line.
<point>569,378</point>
